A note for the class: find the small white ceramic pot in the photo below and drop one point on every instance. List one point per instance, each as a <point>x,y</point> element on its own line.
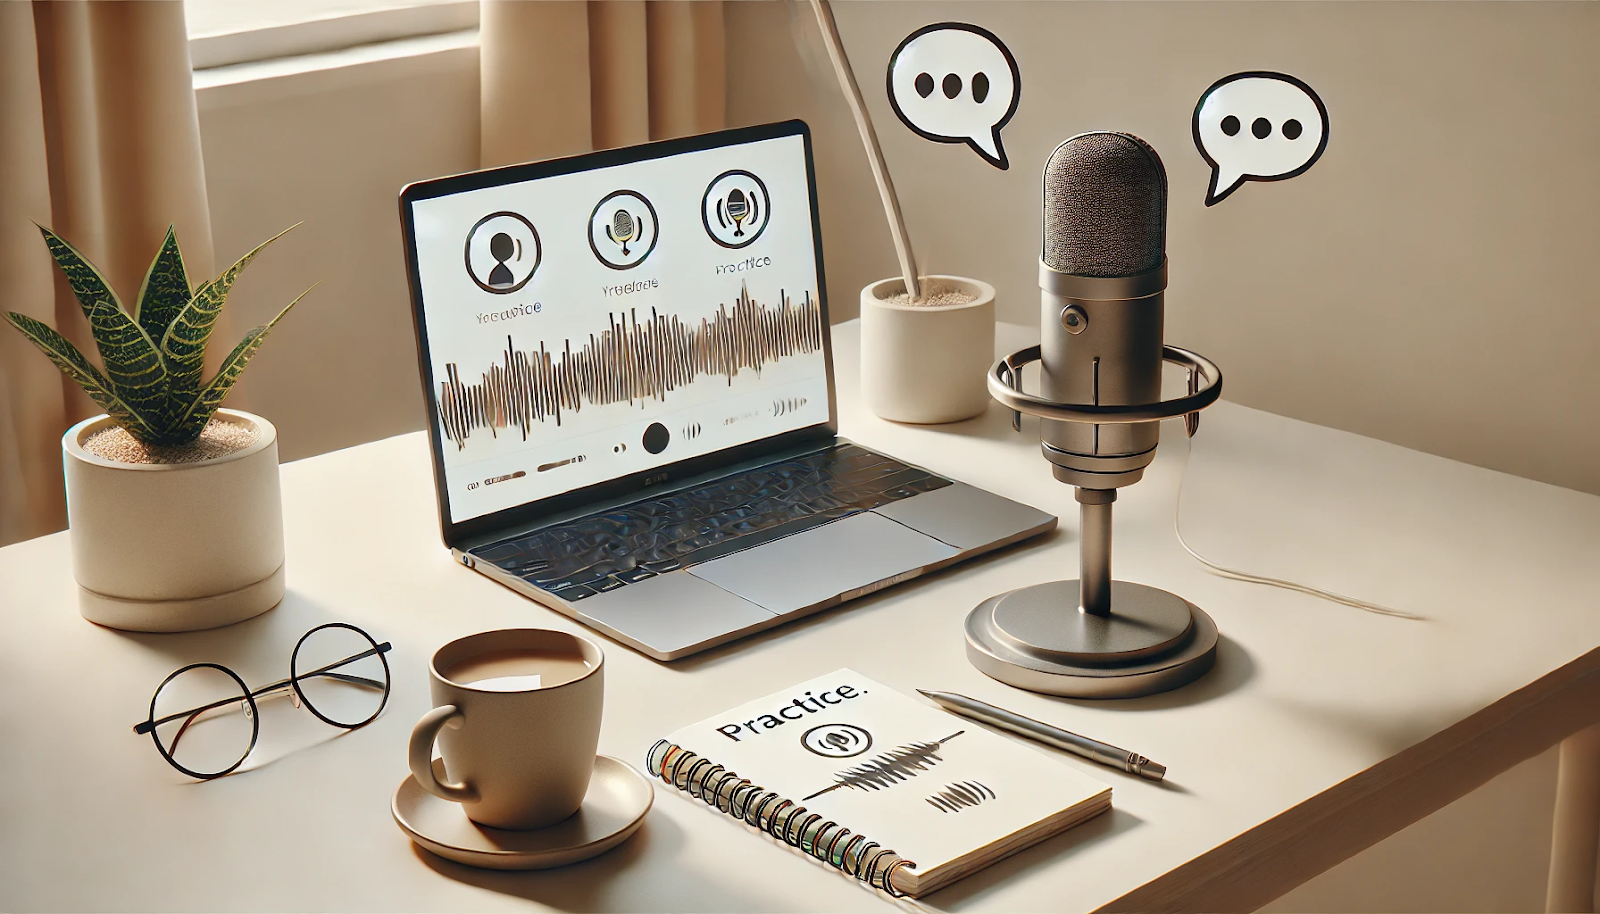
<point>926,365</point>
<point>175,547</point>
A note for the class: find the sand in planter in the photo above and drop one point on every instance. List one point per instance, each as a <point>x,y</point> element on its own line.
<point>934,295</point>
<point>216,440</point>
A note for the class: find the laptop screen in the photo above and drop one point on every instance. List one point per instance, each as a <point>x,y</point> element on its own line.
<point>604,321</point>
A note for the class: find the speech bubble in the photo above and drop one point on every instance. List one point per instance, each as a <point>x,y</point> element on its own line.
<point>952,82</point>
<point>1258,126</point>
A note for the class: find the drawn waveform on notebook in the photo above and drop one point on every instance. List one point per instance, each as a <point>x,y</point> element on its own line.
<point>632,361</point>
<point>960,795</point>
<point>890,768</point>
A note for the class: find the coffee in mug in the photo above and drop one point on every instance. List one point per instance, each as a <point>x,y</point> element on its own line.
<point>517,719</point>
<point>517,670</point>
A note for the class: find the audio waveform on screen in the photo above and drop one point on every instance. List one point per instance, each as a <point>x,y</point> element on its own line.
<point>631,361</point>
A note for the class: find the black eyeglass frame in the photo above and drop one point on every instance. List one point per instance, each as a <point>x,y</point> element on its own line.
<point>293,682</point>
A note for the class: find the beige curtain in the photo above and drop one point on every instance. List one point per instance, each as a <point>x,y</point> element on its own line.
<point>567,76</point>
<point>99,140</point>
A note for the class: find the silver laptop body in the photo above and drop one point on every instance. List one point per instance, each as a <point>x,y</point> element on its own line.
<point>632,418</point>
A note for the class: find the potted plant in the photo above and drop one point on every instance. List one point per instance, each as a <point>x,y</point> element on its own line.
<point>924,358</point>
<point>173,504</point>
<point>926,341</point>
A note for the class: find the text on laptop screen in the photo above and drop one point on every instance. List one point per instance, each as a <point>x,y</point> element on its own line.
<point>586,326</point>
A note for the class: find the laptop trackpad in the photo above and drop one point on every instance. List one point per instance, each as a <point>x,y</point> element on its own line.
<point>672,612</point>
<point>807,568</point>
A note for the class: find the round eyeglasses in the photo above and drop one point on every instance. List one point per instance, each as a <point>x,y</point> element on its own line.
<point>204,720</point>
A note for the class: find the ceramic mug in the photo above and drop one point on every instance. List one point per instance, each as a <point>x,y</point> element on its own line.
<point>517,718</point>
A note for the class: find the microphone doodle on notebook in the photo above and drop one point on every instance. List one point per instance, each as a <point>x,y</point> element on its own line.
<point>837,740</point>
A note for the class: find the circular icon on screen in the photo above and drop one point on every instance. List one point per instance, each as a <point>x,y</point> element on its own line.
<point>622,229</point>
<point>502,252</point>
<point>837,740</point>
<point>656,438</point>
<point>735,209</point>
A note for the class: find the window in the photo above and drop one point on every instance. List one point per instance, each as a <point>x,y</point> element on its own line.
<point>223,32</point>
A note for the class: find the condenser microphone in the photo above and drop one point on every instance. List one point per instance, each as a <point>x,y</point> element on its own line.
<point>738,209</point>
<point>622,229</point>
<point>1102,279</point>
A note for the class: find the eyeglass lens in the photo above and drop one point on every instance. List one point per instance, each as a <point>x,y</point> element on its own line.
<point>211,728</point>
<point>343,678</point>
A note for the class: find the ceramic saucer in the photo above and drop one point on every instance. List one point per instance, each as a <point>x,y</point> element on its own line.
<point>613,809</point>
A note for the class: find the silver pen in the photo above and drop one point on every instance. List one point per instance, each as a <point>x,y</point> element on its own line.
<point>1091,749</point>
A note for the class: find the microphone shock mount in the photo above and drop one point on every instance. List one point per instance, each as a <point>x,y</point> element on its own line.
<point>1094,637</point>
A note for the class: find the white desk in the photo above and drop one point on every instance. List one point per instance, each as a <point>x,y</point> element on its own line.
<point>1321,730</point>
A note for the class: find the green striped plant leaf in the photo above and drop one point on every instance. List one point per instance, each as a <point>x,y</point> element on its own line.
<point>72,362</point>
<point>198,411</point>
<point>91,289</point>
<point>183,345</point>
<point>151,390</point>
<point>165,290</point>
<point>133,366</point>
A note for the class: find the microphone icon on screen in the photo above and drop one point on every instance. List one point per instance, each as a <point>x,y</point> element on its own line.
<point>623,229</point>
<point>739,207</point>
<point>735,208</point>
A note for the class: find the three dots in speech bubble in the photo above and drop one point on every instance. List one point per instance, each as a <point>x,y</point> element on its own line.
<point>1258,126</point>
<point>954,82</point>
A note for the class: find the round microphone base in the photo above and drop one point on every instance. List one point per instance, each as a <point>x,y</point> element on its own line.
<point>1037,639</point>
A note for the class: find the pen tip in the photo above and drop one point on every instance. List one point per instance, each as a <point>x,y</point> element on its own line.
<point>924,693</point>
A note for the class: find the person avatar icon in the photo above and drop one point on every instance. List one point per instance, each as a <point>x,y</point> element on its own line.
<point>501,247</point>
<point>502,252</point>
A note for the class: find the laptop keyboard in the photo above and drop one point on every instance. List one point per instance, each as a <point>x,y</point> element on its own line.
<point>652,536</point>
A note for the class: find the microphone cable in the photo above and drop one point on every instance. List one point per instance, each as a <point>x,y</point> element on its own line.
<point>1237,575</point>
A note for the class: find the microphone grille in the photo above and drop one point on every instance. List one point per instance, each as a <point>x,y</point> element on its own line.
<point>1105,206</point>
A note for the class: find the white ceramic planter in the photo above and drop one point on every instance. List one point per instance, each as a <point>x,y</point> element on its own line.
<point>175,547</point>
<point>926,365</point>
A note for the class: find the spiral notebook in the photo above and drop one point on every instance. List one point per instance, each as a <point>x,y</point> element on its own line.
<point>899,794</point>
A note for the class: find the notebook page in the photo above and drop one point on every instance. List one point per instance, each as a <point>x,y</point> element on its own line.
<point>927,784</point>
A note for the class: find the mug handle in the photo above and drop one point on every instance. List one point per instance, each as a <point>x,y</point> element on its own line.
<point>422,737</point>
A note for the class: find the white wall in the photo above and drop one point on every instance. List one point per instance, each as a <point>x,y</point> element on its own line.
<point>334,145</point>
<point>331,148</point>
<point>1429,281</point>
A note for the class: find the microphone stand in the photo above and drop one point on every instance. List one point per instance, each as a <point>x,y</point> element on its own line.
<point>1094,549</point>
<point>1094,637</point>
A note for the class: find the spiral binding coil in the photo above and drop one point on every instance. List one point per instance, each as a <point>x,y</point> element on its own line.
<point>826,840</point>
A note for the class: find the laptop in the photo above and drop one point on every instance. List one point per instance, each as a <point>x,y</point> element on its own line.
<point>627,370</point>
